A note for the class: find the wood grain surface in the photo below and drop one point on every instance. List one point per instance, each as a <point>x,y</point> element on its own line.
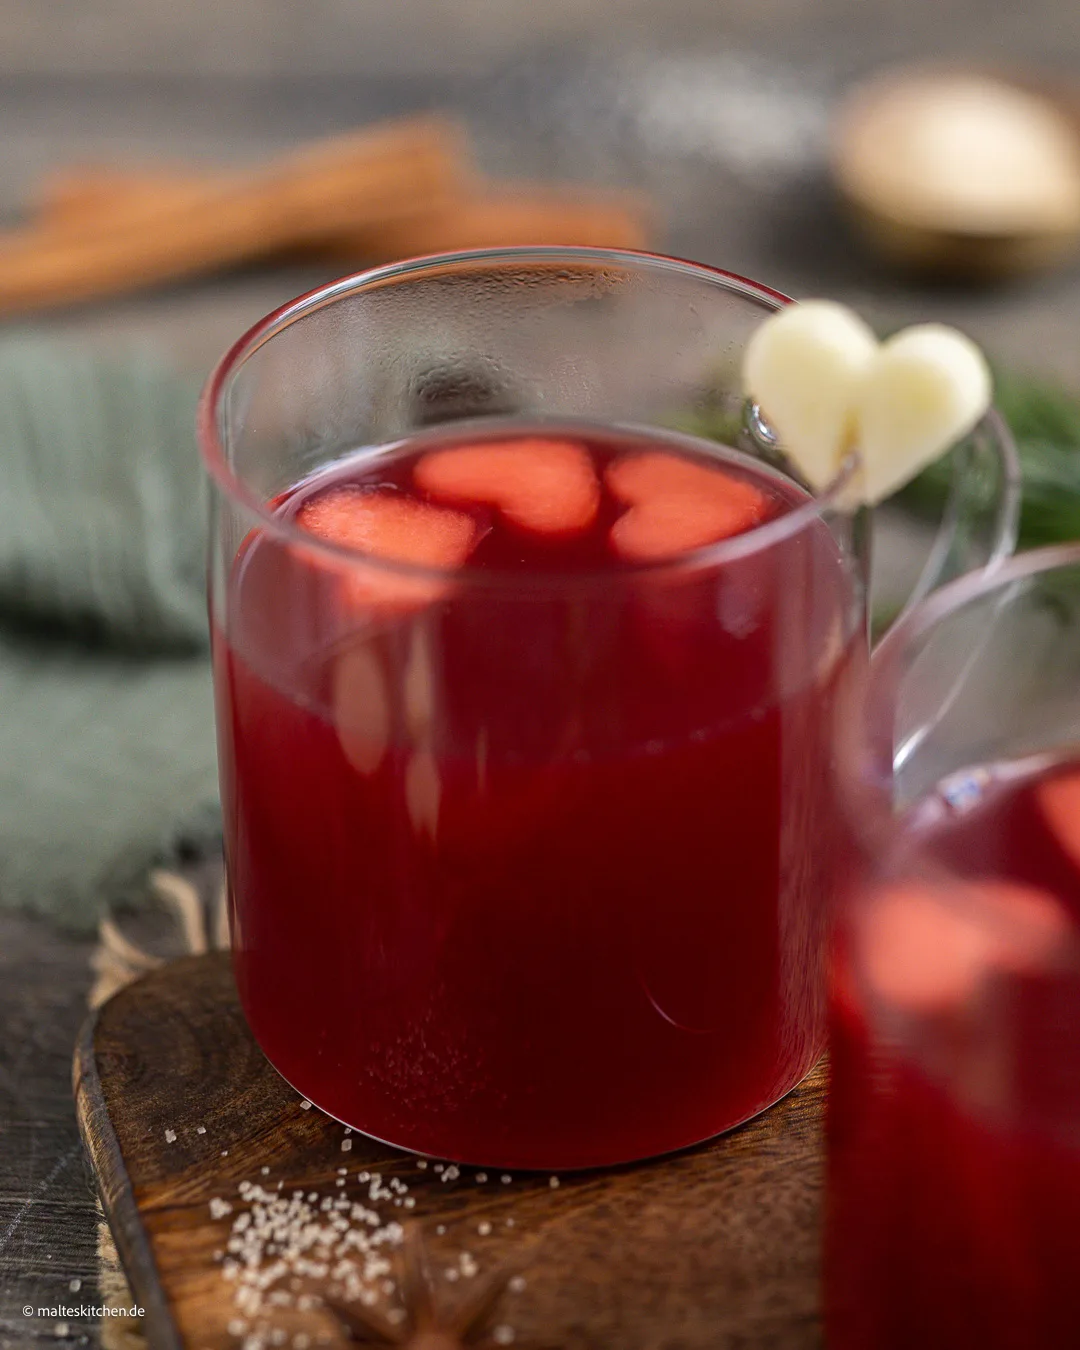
<point>47,1218</point>
<point>716,1246</point>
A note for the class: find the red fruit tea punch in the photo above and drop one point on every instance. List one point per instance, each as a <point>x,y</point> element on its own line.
<point>526,700</point>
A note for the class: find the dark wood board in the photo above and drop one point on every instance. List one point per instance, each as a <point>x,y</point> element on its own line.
<point>716,1246</point>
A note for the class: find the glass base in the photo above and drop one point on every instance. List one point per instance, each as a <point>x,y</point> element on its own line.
<point>557,1166</point>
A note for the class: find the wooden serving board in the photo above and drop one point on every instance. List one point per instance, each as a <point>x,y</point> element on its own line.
<point>713,1247</point>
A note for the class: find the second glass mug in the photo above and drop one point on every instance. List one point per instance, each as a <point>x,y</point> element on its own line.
<point>953,1216</point>
<point>535,872</point>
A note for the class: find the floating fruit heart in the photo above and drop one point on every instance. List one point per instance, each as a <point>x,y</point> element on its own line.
<point>394,528</point>
<point>828,387</point>
<point>546,486</point>
<point>1059,799</point>
<point>927,950</point>
<point>676,506</point>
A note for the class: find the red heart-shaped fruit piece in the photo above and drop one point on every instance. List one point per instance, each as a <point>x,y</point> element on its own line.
<point>928,948</point>
<point>1059,799</point>
<point>676,505</point>
<point>395,528</point>
<point>546,486</point>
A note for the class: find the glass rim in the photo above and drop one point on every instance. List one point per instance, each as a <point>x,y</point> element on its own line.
<point>215,460</point>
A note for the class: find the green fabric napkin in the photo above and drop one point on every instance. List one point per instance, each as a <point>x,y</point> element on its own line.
<point>107,759</point>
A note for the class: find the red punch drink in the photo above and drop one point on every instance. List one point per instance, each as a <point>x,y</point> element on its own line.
<point>525,740</point>
<point>955,1120</point>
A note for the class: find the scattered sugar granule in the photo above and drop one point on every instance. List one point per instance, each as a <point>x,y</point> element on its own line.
<point>468,1265</point>
<point>410,1203</point>
<point>75,1286</point>
<point>277,1336</point>
<point>348,1129</point>
<point>200,1129</point>
<point>440,1229</point>
<point>305,1105</point>
<point>517,1284</point>
<point>237,1326</point>
<point>503,1335</point>
<point>224,1152</point>
<point>483,1228</point>
<point>312,1197</point>
<point>346,1145</point>
<point>395,1316</point>
<point>422,1164</point>
<point>219,1208</point>
<point>481,1177</point>
<point>60,1329</point>
<point>265,1171</point>
<point>438,1167</point>
<point>343,1172</point>
<point>554,1183</point>
<point>509,1223</point>
<point>506,1178</point>
<point>340,1181</point>
<point>301,1341</point>
<point>170,1136</point>
<point>451,1273</point>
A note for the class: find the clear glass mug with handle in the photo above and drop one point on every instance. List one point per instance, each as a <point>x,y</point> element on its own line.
<point>529,864</point>
<point>954,1131</point>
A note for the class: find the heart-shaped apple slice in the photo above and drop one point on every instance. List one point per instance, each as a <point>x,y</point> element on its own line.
<point>827,387</point>
<point>927,949</point>
<point>396,528</point>
<point>803,367</point>
<point>925,389</point>
<point>676,505</point>
<point>544,485</point>
<point>1059,800</point>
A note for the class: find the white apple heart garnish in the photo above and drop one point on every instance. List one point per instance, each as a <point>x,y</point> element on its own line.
<point>803,367</point>
<point>827,387</point>
<point>926,388</point>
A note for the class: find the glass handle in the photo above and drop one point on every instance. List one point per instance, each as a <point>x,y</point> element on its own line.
<point>979,522</point>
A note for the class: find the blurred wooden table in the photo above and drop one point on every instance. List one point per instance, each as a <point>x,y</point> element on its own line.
<point>70,96</point>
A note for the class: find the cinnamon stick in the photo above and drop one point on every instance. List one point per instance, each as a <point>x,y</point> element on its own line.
<point>495,214</point>
<point>355,182</point>
<point>84,195</point>
<point>502,215</point>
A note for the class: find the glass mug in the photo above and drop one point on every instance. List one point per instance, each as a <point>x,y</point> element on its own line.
<point>954,1122</point>
<point>531,868</point>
